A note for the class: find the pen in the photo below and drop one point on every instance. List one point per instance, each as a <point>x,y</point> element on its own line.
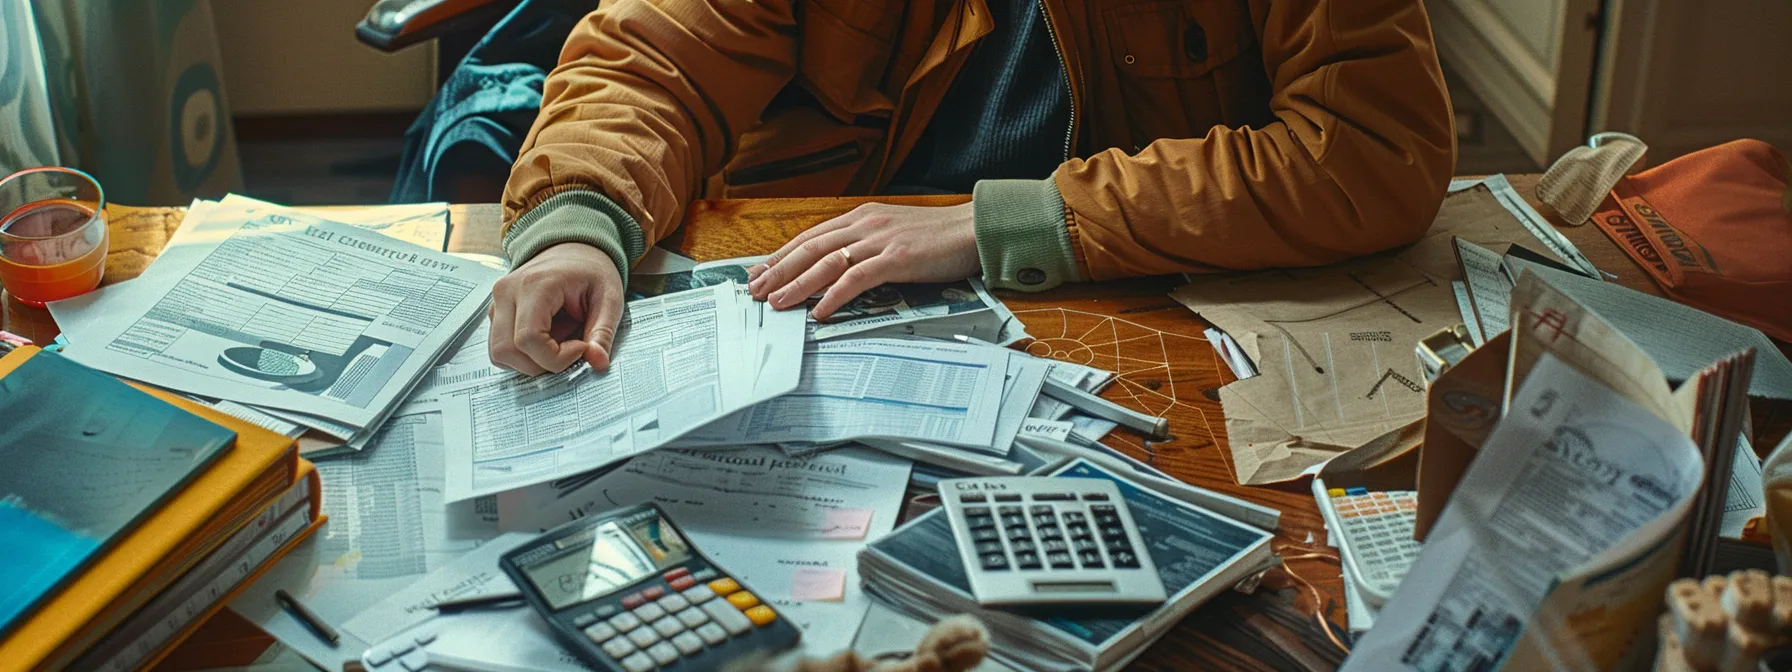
<point>306,616</point>
<point>501,600</point>
<point>1151,426</point>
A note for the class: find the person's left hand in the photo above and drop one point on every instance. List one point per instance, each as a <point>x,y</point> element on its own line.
<point>874,244</point>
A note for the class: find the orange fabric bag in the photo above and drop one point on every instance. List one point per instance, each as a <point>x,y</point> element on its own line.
<point>1714,229</point>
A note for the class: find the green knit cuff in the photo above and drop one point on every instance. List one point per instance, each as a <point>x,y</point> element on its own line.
<point>1022,239</point>
<point>577,216</point>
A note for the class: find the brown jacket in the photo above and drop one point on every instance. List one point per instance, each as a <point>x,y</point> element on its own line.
<point>1206,134</point>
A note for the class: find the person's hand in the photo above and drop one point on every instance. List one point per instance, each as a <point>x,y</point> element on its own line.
<point>874,244</point>
<point>558,307</point>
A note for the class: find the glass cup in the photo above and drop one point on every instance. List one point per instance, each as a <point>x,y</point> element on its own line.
<point>52,235</point>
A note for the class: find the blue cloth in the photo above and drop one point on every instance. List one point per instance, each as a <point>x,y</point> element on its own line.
<point>477,122</point>
<point>1005,116</point>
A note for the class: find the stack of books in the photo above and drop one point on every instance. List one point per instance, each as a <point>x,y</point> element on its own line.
<point>1198,553</point>
<point>130,515</point>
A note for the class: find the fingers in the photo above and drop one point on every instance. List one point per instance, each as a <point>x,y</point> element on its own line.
<point>533,334</point>
<point>862,276</point>
<point>498,343</point>
<point>604,313</point>
<point>800,260</point>
<point>802,251</point>
<point>819,276</point>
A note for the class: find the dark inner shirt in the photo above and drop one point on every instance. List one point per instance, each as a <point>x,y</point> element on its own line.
<point>1004,117</point>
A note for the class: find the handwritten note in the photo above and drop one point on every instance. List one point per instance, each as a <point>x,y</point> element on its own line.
<point>846,524</point>
<point>1052,429</point>
<point>818,584</point>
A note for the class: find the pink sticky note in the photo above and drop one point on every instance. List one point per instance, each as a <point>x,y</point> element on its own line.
<point>818,584</point>
<point>846,524</point>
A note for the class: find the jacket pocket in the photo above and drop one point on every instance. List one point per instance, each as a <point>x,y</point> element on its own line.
<point>843,51</point>
<point>1186,66</point>
<point>783,169</point>
<point>798,151</point>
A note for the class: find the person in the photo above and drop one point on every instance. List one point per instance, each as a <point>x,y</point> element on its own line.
<point>1098,139</point>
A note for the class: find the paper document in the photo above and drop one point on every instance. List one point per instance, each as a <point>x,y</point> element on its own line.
<point>1489,290</point>
<point>680,361</point>
<point>475,574</point>
<point>935,391</point>
<point>759,514</point>
<point>289,311</point>
<point>1744,498</point>
<point>1575,499</point>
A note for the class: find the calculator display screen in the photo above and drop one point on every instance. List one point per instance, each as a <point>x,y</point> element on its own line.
<point>609,556</point>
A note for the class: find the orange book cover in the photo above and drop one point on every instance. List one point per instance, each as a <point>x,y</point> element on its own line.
<point>236,487</point>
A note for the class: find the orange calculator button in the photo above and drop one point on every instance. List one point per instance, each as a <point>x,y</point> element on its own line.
<point>762,615</point>
<point>724,586</point>
<point>743,600</point>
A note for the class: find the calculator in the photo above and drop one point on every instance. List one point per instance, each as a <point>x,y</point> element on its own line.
<point>1037,540</point>
<point>625,591</point>
<point>1374,530</point>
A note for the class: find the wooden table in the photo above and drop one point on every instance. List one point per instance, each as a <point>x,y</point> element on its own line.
<point>1131,326</point>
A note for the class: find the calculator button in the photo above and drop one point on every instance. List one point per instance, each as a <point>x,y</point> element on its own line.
<point>699,595</point>
<point>584,619</point>
<point>637,663</point>
<point>676,574</point>
<point>1044,520</point>
<point>687,643</point>
<point>643,636</point>
<point>724,586</point>
<point>1014,519</point>
<point>1023,547</point>
<point>1055,545</point>
<point>1095,496</point>
<point>1060,560</point>
<point>1008,498</point>
<point>414,661</point>
<point>1073,517</point>
<point>402,648</point>
<point>1117,545</point>
<point>618,647</point>
<point>727,616</point>
<point>743,600</point>
<point>986,534</point>
<point>761,615</point>
<point>668,626</point>
<point>1099,509</point>
<point>1018,532</point>
<point>1050,532</point>
<point>692,617</point>
<point>973,497</point>
<point>625,622</point>
<point>1079,531</point>
<point>1090,559</point>
<point>1026,560</point>
<point>994,561</point>
<point>712,633</point>
<point>607,611</point>
<point>704,575</point>
<point>673,603</point>
<point>600,633</point>
<point>654,593</point>
<point>379,657</point>
<point>1113,532</point>
<point>632,601</point>
<point>989,547</point>
<point>1038,509</point>
<point>976,511</point>
<point>663,653</point>
<point>979,522</point>
<point>1084,545</point>
<point>1053,497</point>
<point>649,613</point>
<point>1124,559</point>
<point>682,583</point>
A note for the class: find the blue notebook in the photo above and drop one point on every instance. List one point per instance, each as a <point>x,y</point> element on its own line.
<point>83,458</point>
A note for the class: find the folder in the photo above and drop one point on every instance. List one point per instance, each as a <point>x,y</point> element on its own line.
<point>164,545</point>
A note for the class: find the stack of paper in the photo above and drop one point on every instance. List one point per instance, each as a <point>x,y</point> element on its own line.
<point>290,315</point>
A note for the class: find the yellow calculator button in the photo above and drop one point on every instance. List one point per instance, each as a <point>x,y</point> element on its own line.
<point>1335,492</point>
<point>724,586</point>
<point>743,600</point>
<point>761,615</point>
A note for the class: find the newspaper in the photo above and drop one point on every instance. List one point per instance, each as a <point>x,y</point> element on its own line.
<point>1563,532</point>
<point>276,308</point>
<point>681,360</point>
<point>934,391</point>
<point>938,310</point>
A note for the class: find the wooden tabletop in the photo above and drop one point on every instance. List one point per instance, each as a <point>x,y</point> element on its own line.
<point>1132,327</point>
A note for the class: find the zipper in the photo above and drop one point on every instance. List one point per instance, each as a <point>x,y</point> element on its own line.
<point>813,162</point>
<point>1063,67</point>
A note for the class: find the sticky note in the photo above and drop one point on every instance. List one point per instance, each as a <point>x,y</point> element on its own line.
<point>818,584</point>
<point>846,524</point>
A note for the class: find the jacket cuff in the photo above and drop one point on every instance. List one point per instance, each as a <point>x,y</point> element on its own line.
<point>577,216</point>
<point>1023,235</point>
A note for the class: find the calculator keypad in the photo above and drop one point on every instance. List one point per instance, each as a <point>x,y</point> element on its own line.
<point>1379,527</point>
<point>663,626</point>
<point>1042,531</point>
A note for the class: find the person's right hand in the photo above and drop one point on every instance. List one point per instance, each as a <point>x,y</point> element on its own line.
<point>558,307</point>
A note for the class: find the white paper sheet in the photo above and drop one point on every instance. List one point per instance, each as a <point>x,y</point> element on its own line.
<point>280,309</point>
<point>475,574</point>
<point>680,360</point>
<point>932,391</point>
<point>759,514</point>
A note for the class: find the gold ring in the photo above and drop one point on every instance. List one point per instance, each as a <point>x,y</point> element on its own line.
<point>846,255</point>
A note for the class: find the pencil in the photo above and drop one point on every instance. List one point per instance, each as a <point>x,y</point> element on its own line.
<point>307,617</point>
<point>505,600</point>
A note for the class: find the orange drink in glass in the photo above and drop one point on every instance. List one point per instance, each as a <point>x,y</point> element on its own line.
<point>52,234</point>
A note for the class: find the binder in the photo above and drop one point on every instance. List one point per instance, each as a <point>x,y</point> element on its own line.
<point>162,548</point>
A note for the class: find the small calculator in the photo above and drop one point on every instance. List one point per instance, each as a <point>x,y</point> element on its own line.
<point>1375,537</point>
<point>626,592</point>
<point>1036,540</point>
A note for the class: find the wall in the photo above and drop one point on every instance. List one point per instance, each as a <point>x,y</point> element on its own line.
<point>298,58</point>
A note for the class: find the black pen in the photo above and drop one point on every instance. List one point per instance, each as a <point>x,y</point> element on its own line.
<point>503,600</point>
<point>306,616</point>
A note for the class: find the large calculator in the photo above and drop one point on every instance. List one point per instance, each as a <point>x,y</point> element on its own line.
<point>1036,540</point>
<point>626,592</point>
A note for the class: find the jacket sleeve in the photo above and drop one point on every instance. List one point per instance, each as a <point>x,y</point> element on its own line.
<point>647,102</point>
<point>1357,162</point>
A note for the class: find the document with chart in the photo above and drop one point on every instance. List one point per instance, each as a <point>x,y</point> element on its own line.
<point>285,310</point>
<point>680,361</point>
